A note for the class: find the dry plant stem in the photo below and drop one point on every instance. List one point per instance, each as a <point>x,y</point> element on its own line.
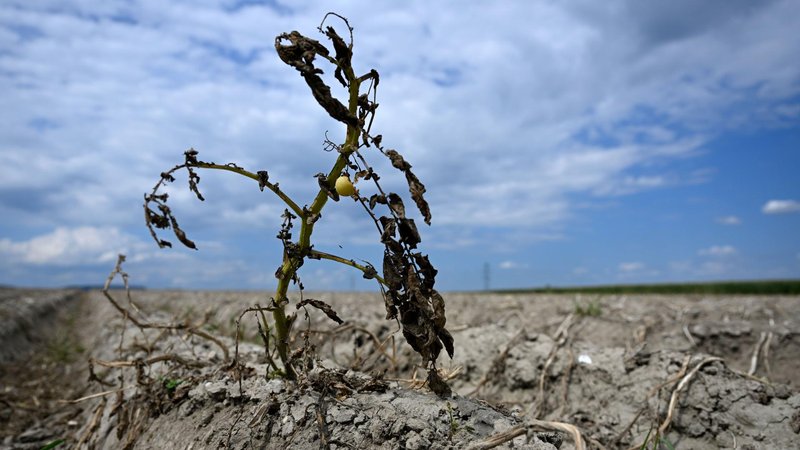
<point>560,426</point>
<point>688,335</point>
<point>561,336</point>
<point>99,394</point>
<point>93,423</point>
<point>141,324</point>
<point>674,398</point>
<point>505,436</point>
<point>499,438</point>
<point>150,361</point>
<point>766,355</point>
<point>671,380</point>
<point>565,383</point>
<point>756,352</point>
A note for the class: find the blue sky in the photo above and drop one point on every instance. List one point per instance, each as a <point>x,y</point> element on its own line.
<point>562,143</point>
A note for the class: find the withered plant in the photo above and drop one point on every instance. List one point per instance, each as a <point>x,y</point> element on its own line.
<point>408,277</point>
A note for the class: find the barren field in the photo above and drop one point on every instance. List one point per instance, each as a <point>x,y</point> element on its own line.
<point>530,371</point>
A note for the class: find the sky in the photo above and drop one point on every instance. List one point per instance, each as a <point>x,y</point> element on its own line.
<point>561,143</point>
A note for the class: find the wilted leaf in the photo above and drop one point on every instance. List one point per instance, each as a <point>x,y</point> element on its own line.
<point>415,187</point>
<point>396,204</point>
<point>375,199</point>
<point>322,306</point>
<point>397,160</point>
<point>437,385</point>
<point>370,272</point>
<point>300,54</point>
<point>180,234</point>
<point>427,271</point>
<point>417,190</point>
<point>390,299</point>
<point>437,303</point>
<point>194,180</point>
<point>343,54</point>
<point>157,220</point>
<point>408,232</point>
<point>191,156</point>
<point>322,180</point>
<point>263,179</point>
<point>389,226</point>
<point>392,270</point>
<point>447,340</point>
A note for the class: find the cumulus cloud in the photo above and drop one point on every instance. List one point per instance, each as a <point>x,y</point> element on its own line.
<point>70,246</point>
<point>781,207</point>
<point>508,265</point>
<point>628,267</point>
<point>717,251</point>
<point>729,220</point>
<point>206,76</point>
<point>508,125</point>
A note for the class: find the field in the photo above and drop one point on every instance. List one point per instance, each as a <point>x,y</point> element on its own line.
<point>613,370</point>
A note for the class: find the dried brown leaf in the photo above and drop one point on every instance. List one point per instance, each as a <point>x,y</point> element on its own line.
<point>408,232</point>
<point>300,54</point>
<point>437,385</point>
<point>322,306</point>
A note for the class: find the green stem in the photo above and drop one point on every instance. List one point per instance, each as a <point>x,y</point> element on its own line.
<point>272,187</point>
<point>348,262</point>
<point>292,262</point>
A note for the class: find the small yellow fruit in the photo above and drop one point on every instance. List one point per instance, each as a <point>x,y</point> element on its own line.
<point>344,186</point>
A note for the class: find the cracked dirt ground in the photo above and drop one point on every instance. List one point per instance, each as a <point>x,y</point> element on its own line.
<point>708,372</point>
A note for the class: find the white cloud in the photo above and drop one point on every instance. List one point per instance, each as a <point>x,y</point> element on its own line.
<point>580,271</point>
<point>714,268</point>
<point>71,246</point>
<point>781,207</point>
<point>509,265</point>
<point>729,220</point>
<point>717,251</point>
<point>207,77</point>
<point>628,267</point>
<point>509,126</point>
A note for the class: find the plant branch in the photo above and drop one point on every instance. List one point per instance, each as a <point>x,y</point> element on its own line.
<point>368,270</point>
<point>272,187</point>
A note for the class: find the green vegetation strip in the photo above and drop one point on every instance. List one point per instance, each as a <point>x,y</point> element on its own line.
<point>770,287</point>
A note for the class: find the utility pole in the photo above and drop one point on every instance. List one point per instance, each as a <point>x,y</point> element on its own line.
<point>486,276</point>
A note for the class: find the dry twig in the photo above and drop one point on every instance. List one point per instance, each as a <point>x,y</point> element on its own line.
<point>561,426</point>
<point>142,324</point>
<point>766,355</point>
<point>93,423</point>
<point>688,335</point>
<point>683,383</point>
<point>505,436</point>
<point>561,337</point>
<point>96,395</point>
<point>756,352</point>
<point>499,438</point>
